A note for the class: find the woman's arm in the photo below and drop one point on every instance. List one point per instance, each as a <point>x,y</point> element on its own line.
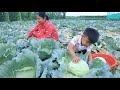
<point>55,35</point>
<point>31,32</point>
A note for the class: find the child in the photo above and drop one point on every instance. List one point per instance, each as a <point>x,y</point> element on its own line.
<point>82,43</point>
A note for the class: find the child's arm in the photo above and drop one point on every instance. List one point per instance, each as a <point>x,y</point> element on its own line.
<point>89,56</point>
<point>72,52</point>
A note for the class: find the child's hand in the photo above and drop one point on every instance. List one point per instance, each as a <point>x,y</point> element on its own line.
<point>76,59</point>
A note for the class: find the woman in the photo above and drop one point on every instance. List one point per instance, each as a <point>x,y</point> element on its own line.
<point>44,28</point>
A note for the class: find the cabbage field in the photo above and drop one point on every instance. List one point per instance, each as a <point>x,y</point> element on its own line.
<point>47,58</point>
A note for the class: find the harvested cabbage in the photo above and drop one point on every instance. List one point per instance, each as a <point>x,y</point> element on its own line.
<point>101,59</point>
<point>97,63</point>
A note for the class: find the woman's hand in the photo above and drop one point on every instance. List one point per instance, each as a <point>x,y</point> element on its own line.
<point>26,37</point>
<point>76,59</point>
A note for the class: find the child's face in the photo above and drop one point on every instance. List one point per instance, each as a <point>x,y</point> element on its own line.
<point>85,41</point>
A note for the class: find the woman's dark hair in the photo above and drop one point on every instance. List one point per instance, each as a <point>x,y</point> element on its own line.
<point>43,15</point>
<point>92,34</point>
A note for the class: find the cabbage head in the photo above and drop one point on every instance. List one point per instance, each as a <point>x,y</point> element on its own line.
<point>79,69</point>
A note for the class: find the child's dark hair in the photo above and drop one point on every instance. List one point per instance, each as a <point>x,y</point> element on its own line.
<point>43,15</point>
<point>92,34</point>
